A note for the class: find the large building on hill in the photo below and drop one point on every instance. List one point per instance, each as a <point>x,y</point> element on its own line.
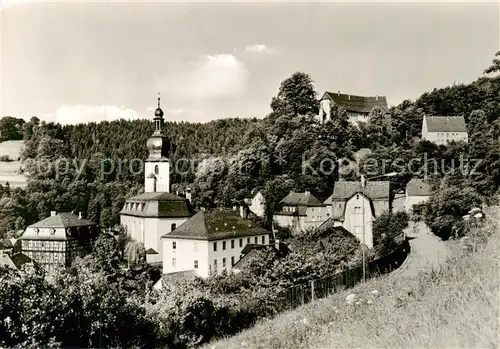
<point>148,216</point>
<point>355,208</point>
<point>300,212</point>
<point>56,241</point>
<point>210,242</point>
<point>443,129</point>
<point>358,107</point>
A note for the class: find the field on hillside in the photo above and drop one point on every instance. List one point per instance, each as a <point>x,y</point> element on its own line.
<point>450,306</point>
<point>11,148</point>
<point>9,171</point>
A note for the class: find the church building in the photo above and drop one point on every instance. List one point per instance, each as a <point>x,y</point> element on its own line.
<point>156,212</point>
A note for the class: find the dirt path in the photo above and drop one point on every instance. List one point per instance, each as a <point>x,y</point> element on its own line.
<point>427,251</point>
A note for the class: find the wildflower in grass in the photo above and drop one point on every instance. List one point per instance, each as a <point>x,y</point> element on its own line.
<point>304,321</point>
<point>243,344</point>
<point>374,292</point>
<point>350,298</point>
<point>369,301</point>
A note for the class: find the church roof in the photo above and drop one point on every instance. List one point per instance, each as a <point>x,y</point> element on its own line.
<point>445,124</point>
<point>217,224</point>
<point>357,104</point>
<point>157,204</point>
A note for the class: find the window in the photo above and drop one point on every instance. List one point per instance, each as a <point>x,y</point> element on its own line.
<point>232,260</point>
<point>248,240</point>
<point>223,262</point>
<point>157,170</point>
<point>215,246</point>
<point>174,245</point>
<point>195,264</point>
<point>357,209</point>
<point>223,245</point>
<point>256,240</point>
<point>173,262</point>
<point>215,264</point>
<point>263,240</point>
<point>340,206</point>
<point>195,247</point>
<point>173,226</point>
<point>241,242</point>
<point>357,196</point>
<point>232,243</point>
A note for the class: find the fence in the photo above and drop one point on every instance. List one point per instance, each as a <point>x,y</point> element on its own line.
<point>298,295</point>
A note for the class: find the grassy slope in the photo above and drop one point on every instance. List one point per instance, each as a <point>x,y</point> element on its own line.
<point>455,306</point>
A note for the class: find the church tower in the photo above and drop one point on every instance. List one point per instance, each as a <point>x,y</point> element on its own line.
<point>157,166</point>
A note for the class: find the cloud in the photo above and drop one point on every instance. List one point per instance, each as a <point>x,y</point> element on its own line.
<point>211,76</point>
<point>258,49</point>
<point>78,113</point>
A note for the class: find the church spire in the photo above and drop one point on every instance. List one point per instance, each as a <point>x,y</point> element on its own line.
<point>158,117</point>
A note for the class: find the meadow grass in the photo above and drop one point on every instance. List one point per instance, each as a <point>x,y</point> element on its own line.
<point>453,306</point>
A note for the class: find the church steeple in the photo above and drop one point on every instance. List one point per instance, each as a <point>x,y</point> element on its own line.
<point>157,144</point>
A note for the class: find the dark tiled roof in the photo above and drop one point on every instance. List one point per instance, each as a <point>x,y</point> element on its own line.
<point>151,251</point>
<point>417,187</point>
<point>344,190</point>
<point>301,199</point>
<point>358,104</point>
<point>217,224</point>
<point>166,279</point>
<point>445,124</point>
<point>157,205</point>
<point>16,261</point>
<point>248,247</point>
<point>330,224</point>
<point>62,220</point>
<point>249,255</point>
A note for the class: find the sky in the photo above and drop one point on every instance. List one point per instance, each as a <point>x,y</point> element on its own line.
<point>74,62</point>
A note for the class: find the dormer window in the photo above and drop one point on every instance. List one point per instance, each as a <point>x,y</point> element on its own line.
<point>52,231</point>
<point>157,170</point>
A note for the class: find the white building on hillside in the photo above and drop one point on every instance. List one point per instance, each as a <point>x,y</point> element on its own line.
<point>210,242</point>
<point>355,208</point>
<point>156,212</point>
<point>358,107</point>
<point>443,129</point>
<point>256,204</point>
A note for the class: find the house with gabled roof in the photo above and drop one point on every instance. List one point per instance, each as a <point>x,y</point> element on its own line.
<point>418,192</point>
<point>256,203</point>
<point>444,129</point>
<point>355,208</point>
<point>56,241</point>
<point>301,212</point>
<point>358,107</point>
<point>210,242</point>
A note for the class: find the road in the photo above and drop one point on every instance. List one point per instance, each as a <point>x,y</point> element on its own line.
<point>427,251</point>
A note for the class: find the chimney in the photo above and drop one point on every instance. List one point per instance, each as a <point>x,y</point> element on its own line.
<point>53,213</point>
<point>376,97</point>
<point>188,194</point>
<point>349,96</point>
<point>80,216</point>
<point>338,93</point>
<point>243,211</point>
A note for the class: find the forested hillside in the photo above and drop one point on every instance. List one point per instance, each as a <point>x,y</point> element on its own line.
<point>223,160</point>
